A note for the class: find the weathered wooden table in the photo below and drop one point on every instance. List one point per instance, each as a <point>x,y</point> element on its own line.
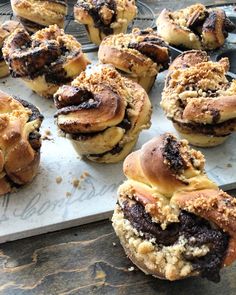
<point>89,259</point>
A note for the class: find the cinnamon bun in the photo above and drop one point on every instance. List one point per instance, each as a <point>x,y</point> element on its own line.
<point>199,99</point>
<point>47,59</point>
<point>104,17</point>
<point>139,55</point>
<point>102,114</point>
<point>19,142</point>
<point>5,30</point>
<point>195,27</point>
<point>172,220</point>
<point>38,14</point>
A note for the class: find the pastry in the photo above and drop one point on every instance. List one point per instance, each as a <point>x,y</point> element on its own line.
<point>194,27</point>
<point>139,55</point>
<point>47,59</point>
<point>38,14</point>
<point>199,99</point>
<point>5,30</point>
<point>104,17</point>
<point>102,114</point>
<point>19,142</point>
<point>172,220</point>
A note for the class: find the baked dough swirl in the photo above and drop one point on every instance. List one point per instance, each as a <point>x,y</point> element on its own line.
<point>139,55</point>
<point>103,114</point>
<point>194,27</point>
<point>199,99</point>
<point>38,14</point>
<point>172,220</point>
<point>45,60</point>
<point>5,30</point>
<point>19,142</point>
<point>104,17</point>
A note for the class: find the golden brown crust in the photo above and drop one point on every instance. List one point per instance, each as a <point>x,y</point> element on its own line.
<point>194,27</point>
<point>211,204</point>
<point>101,114</point>
<point>19,157</point>
<point>45,60</point>
<point>40,12</point>
<point>199,99</point>
<point>188,58</point>
<point>139,166</point>
<point>138,54</point>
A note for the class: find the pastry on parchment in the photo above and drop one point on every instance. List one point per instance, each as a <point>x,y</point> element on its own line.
<point>47,59</point>
<point>139,55</point>
<point>104,17</point>
<point>102,113</point>
<point>195,27</point>
<point>199,99</point>
<point>38,14</point>
<point>20,142</point>
<point>172,220</point>
<point>5,30</point>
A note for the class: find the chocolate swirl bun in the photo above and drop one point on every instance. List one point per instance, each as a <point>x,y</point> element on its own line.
<point>45,60</point>
<point>103,114</point>
<point>173,222</point>
<point>199,99</point>
<point>38,14</point>
<point>19,142</point>
<point>194,27</point>
<point>104,17</point>
<point>139,55</point>
<point>5,30</point>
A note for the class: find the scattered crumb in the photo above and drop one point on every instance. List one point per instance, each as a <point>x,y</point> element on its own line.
<point>58,179</point>
<point>131,268</point>
<point>68,194</point>
<point>229,165</point>
<point>48,132</point>
<point>114,244</point>
<point>47,135</point>
<point>85,175</point>
<point>76,182</point>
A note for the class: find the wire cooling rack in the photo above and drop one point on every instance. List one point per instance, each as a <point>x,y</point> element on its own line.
<point>145,18</point>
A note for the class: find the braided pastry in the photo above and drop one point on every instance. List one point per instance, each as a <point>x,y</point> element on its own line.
<point>38,14</point>
<point>194,27</point>
<point>103,114</point>
<point>45,60</point>
<point>172,220</point>
<point>5,30</point>
<point>139,55</point>
<point>19,142</point>
<point>104,17</point>
<point>199,99</point>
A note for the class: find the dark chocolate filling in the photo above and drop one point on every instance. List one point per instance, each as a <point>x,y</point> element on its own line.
<point>116,150</point>
<point>35,60</point>
<point>209,129</point>
<point>30,25</point>
<point>94,12</point>
<point>1,55</point>
<point>34,137</point>
<point>147,48</point>
<point>196,230</point>
<point>171,152</point>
